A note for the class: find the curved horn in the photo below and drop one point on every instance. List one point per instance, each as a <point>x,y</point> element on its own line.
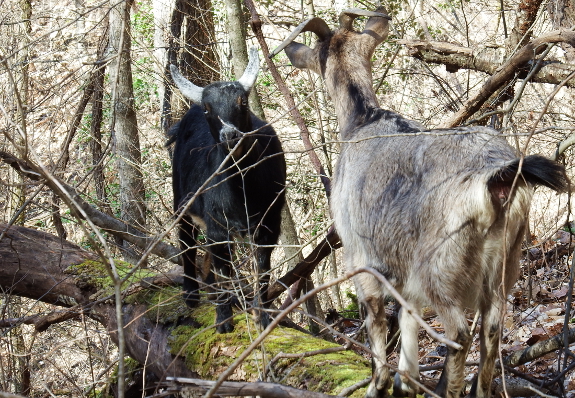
<point>315,25</point>
<point>187,88</point>
<point>251,73</point>
<point>348,15</point>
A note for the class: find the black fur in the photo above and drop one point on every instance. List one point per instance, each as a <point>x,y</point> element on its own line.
<point>244,199</point>
<point>536,169</point>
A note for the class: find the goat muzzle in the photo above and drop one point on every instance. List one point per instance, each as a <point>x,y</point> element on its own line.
<point>229,135</point>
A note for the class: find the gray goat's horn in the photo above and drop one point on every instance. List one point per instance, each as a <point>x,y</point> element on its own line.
<point>315,25</point>
<point>348,15</point>
<point>251,73</point>
<point>187,88</point>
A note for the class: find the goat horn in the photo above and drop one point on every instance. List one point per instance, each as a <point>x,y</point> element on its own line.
<point>315,25</point>
<point>251,73</point>
<point>348,15</point>
<point>187,88</point>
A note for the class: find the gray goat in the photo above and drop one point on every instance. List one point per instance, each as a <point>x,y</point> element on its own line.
<point>440,213</point>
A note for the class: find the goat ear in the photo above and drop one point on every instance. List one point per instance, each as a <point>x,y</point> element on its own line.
<point>302,57</point>
<point>376,28</point>
<point>251,73</point>
<point>188,89</point>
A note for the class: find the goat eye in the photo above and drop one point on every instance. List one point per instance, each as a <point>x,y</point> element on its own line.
<point>206,109</point>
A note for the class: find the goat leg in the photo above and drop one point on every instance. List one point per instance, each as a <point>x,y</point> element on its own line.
<point>221,257</point>
<point>451,380</point>
<point>263,261</point>
<point>188,234</point>
<point>372,297</point>
<point>489,339</point>
<point>408,360</point>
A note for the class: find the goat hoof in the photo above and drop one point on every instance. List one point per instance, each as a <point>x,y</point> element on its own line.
<point>373,392</point>
<point>401,388</point>
<point>191,299</point>
<point>224,317</point>
<point>226,327</point>
<point>263,320</point>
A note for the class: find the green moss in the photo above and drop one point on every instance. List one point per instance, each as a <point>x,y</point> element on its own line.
<point>164,305</point>
<point>209,353</point>
<point>97,275</point>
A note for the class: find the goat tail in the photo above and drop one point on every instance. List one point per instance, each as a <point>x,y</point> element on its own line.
<point>535,169</point>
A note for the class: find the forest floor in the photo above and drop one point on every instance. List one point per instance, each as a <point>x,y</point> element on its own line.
<point>535,312</point>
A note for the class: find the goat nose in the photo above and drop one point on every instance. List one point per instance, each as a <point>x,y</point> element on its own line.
<point>228,133</point>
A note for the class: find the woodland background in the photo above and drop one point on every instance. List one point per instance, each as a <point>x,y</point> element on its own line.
<point>85,187</point>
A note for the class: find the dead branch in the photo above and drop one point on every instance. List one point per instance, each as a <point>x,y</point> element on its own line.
<point>256,24</point>
<point>306,267</point>
<point>351,389</point>
<point>508,70</point>
<point>230,388</point>
<point>300,356</point>
<point>100,219</point>
<point>515,387</point>
<point>539,349</point>
<point>487,60</point>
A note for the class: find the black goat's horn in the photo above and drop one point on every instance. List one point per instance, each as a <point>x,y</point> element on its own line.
<point>348,15</point>
<point>315,25</point>
<point>187,88</point>
<point>252,69</point>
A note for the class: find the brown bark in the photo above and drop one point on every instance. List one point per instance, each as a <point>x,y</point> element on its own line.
<point>526,13</point>
<point>132,194</point>
<point>34,264</point>
<point>539,349</point>
<point>230,388</point>
<point>487,60</point>
<point>508,70</point>
<point>199,57</point>
<point>192,47</point>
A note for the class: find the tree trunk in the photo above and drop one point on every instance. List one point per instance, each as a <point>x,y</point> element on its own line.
<point>132,194</point>
<point>41,266</point>
<point>96,128</point>
<point>192,47</point>
<point>237,36</point>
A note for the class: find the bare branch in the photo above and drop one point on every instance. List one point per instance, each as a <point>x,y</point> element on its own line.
<point>506,72</point>
<point>296,115</point>
<point>539,349</point>
<point>487,60</point>
<point>100,219</point>
<point>231,388</point>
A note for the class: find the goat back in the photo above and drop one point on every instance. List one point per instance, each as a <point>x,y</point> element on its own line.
<point>432,209</point>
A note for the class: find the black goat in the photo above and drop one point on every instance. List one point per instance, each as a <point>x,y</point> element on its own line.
<point>440,213</point>
<point>219,140</point>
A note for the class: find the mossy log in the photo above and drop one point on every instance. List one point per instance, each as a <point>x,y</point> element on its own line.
<point>160,331</point>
